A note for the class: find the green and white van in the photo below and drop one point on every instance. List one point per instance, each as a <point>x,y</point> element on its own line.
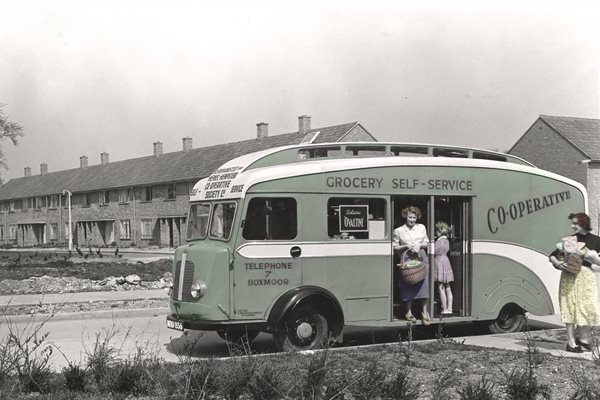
<point>297,240</point>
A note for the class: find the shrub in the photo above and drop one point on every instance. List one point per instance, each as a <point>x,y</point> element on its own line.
<point>235,376</point>
<point>585,388</point>
<point>75,377</point>
<point>402,386</point>
<point>266,383</point>
<point>522,384</point>
<point>481,390</point>
<point>370,381</point>
<point>316,374</point>
<point>443,383</point>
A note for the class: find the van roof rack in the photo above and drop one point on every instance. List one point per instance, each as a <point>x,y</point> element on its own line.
<point>297,153</point>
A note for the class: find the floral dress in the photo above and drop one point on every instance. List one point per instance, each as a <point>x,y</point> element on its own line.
<point>578,293</point>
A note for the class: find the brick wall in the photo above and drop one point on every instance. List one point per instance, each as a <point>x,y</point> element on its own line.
<point>99,224</point>
<point>357,134</point>
<point>594,194</point>
<point>546,149</point>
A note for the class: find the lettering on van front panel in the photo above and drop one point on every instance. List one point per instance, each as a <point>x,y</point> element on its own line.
<point>268,268</point>
<point>220,180</point>
<point>500,215</point>
<point>456,185</point>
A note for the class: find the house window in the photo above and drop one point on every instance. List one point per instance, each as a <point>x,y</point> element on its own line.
<point>53,231</point>
<point>147,193</point>
<point>104,198</point>
<point>171,191</point>
<point>25,204</point>
<point>125,229</point>
<point>146,229</point>
<point>11,206</point>
<point>53,201</point>
<point>66,231</point>
<point>86,199</point>
<point>12,232</point>
<point>124,196</point>
<point>1,232</point>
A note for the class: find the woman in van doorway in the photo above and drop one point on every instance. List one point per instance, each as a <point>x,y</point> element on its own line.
<point>412,237</point>
<point>578,293</point>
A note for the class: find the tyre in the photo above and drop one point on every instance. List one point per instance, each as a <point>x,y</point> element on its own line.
<point>511,319</point>
<point>238,336</point>
<point>304,328</point>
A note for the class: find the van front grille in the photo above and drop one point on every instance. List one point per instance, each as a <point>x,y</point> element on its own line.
<point>186,280</point>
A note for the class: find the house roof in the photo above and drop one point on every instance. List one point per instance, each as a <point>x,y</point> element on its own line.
<point>583,133</point>
<point>167,168</point>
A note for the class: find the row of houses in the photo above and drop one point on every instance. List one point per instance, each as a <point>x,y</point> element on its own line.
<point>143,201</point>
<point>135,202</point>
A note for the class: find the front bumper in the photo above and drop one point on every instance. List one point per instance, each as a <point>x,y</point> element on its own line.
<point>206,325</point>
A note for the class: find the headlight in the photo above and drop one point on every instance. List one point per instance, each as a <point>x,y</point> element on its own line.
<point>198,289</point>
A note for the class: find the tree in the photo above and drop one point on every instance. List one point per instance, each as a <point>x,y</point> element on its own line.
<point>8,131</point>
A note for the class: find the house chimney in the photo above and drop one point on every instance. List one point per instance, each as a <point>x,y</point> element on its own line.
<point>104,158</point>
<point>187,144</point>
<point>43,169</point>
<point>303,124</point>
<point>158,148</point>
<point>27,171</point>
<point>262,130</point>
<point>83,161</point>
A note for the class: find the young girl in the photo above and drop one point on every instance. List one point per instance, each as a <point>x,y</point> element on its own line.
<point>443,269</point>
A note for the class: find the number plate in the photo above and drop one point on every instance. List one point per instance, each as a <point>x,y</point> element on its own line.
<point>175,325</point>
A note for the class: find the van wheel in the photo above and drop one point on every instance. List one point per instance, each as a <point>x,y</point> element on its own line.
<point>302,329</point>
<point>511,319</point>
<point>237,336</point>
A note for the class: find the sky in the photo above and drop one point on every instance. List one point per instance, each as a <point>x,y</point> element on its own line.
<point>88,77</point>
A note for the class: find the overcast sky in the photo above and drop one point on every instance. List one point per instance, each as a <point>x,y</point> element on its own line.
<point>86,77</point>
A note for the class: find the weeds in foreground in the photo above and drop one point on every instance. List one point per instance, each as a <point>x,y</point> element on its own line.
<point>402,386</point>
<point>585,388</point>
<point>75,377</point>
<point>522,383</point>
<point>444,383</point>
<point>370,381</point>
<point>480,390</point>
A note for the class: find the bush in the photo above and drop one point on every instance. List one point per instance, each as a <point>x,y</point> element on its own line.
<point>370,381</point>
<point>585,388</point>
<point>75,377</point>
<point>236,376</point>
<point>266,383</point>
<point>402,386</point>
<point>481,390</point>
<point>522,384</point>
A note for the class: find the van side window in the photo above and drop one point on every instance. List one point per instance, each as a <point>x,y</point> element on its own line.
<point>356,218</point>
<point>272,218</point>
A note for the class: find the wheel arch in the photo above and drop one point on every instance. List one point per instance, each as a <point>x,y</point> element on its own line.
<point>301,295</point>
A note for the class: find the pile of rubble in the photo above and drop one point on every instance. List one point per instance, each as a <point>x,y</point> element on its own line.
<point>50,284</point>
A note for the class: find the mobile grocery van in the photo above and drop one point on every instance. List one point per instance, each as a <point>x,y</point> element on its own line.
<point>298,240</point>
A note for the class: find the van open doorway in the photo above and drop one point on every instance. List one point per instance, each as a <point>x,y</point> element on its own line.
<point>455,213</point>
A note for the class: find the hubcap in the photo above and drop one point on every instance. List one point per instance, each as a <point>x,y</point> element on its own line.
<point>304,330</point>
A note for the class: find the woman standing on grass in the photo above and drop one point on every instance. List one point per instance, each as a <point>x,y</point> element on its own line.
<point>578,293</point>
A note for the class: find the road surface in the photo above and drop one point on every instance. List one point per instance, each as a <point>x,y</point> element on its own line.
<point>74,334</point>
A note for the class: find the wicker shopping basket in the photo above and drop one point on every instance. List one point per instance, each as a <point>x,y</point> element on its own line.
<point>412,269</point>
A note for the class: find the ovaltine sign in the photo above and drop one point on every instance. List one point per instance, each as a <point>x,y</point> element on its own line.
<point>354,218</point>
<point>500,215</point>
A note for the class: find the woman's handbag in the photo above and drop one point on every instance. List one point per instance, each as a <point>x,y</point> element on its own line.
<point>412,269</point>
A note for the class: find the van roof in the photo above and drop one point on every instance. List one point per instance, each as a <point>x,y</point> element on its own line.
<point>235,177</point>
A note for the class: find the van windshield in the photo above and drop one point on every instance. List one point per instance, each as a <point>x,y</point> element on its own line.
<point>222,220</point>
<point>197,226</point>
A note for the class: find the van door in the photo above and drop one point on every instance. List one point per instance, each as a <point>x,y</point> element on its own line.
<point>268,259</point>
